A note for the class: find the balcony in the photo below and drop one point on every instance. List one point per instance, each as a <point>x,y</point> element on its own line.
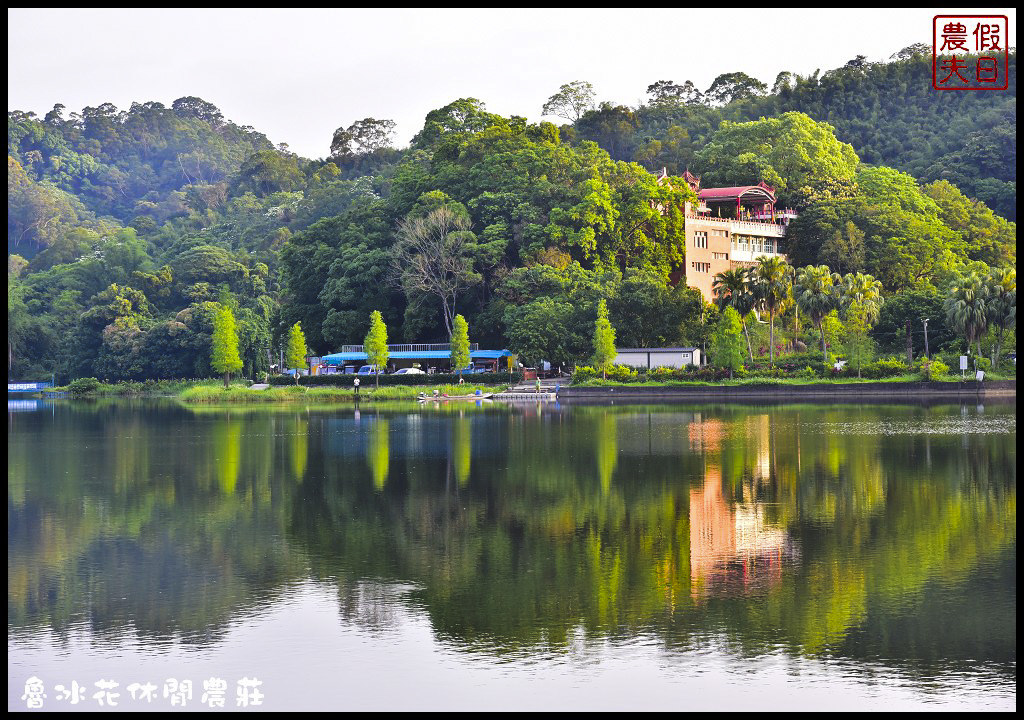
<point>763,228</point>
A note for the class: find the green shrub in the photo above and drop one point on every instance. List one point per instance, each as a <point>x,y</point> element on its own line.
<point>709,373</point>
<point>931,369</point>
<point>582,373</point>
<point>623,373</point>
<point>885,368</point>
<point>83,386</point>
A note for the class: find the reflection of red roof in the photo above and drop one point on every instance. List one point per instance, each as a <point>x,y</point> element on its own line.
<point>731,193</point>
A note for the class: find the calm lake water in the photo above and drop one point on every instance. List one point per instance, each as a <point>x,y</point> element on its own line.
<point>557,557</point>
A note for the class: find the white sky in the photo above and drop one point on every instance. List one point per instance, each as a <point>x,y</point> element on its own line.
<point>296,75</point>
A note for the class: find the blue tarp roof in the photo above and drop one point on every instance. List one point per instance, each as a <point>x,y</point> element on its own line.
<point>342,358</point>
<point>489,354</point>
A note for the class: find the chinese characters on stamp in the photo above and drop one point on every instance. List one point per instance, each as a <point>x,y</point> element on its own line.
<point>970,52</point>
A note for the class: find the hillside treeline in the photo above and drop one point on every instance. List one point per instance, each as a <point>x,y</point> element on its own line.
<point>127,229</point>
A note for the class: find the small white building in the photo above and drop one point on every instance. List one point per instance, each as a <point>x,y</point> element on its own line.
<point>649,358</point>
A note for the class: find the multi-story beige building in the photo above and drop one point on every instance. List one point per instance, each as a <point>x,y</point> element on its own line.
<point>730,227</point>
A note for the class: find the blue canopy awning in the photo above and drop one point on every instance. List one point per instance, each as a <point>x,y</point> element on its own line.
<point>352,357</point>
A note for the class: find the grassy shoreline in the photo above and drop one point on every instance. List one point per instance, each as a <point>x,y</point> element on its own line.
<point>213,391</point>
<point>283,394</point>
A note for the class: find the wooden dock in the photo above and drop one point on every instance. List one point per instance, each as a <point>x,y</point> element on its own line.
<point>527,392</point>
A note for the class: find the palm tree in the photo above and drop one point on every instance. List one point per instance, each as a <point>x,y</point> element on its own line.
<point>816,295</point>
<point>1002,304</point>
<point>966,308</point>
<point>731,287</point>
<point>771,283</point>
<point>862,288</point>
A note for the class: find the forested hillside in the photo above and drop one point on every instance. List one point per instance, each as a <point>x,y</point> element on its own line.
<point>128,229</point>
<point>888,112</point>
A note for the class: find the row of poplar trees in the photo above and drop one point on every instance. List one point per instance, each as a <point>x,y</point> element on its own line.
<point>376,344</point>
<point>225,358</point>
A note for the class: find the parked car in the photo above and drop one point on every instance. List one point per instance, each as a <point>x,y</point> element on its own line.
<point>369,370</point>
<point>409,371</point>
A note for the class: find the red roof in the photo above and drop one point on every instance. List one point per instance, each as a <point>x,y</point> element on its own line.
<point>731,193</point>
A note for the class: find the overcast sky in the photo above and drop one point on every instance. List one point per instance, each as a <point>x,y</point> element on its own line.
<point>296,75</point>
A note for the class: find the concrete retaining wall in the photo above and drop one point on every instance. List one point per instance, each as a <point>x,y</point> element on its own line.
<point>838,392</point>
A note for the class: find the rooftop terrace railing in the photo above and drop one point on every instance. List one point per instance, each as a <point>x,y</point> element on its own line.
<point>756,227</point>
<point>411,347</point>
<point>782,218</point>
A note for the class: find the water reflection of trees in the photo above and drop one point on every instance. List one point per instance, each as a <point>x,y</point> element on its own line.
<point>824,526</point>
<point>162,521</point>
<point>513,530</point>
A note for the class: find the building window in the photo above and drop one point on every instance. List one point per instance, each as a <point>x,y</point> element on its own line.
<point>700,239</point>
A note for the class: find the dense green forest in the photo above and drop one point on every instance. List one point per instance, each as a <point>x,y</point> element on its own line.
<point>129,229</point>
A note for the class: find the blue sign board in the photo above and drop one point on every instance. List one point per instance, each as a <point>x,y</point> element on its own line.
<point>28,387</point>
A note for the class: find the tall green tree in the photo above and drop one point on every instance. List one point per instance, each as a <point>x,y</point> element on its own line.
<point>571,101</point>
<point>728,87</point>
<point>772,285</point>
<point>362,136</point>
<point>816,293</point>
<point>732,289</point>
<point>376,344</point>
<point>966,308</point>
<point>802,159</point>
<point>845,250</point>
<point>1002,305</point>
<point>860,297</point>
<point>604,340</point>
<point>295,357</point>
<point>989,238</point>
<point>431,258</point>
<point>727,345</point>
<point>225,359</point>
<point>859,345</point>
<point>864,289</point>
<point>460,344</point>
<point>18,321</point>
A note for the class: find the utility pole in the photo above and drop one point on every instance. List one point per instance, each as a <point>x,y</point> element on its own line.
<point>926,339</point>
<point>910,347</point>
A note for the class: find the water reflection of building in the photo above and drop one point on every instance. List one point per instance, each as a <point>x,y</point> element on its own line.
<point>24,405</point>
<point>732,547</point>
